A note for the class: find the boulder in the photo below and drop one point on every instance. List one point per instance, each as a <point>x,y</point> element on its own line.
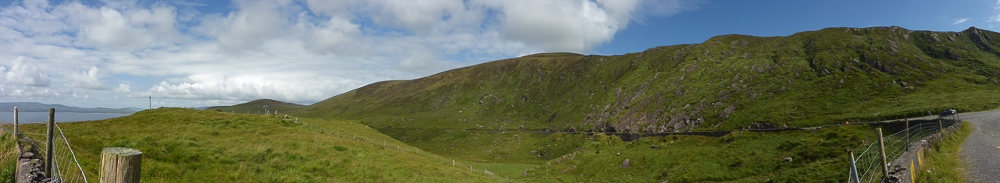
<point>626,164</point>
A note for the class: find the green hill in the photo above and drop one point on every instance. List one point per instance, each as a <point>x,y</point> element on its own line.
<point>188,145</point>
<point>728,82</point>
<point>258,106</point>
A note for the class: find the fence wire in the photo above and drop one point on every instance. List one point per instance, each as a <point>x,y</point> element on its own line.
<point>869,161</point>
<point>65,167</point>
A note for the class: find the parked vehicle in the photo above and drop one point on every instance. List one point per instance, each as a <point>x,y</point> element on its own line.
<point>947,112</point>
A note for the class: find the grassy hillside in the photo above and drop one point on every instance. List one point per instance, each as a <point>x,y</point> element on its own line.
<point>257,106</point>
<point>815,156</point>
<point>728,82</point>
<point>187,145</point>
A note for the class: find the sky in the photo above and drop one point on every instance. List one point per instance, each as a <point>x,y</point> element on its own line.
<point>196,53</point>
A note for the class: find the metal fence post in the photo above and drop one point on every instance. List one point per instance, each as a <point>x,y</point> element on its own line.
<point>881,150</point>
<point>854,169</point>
<point>49,136</point>
<point>907,134</point>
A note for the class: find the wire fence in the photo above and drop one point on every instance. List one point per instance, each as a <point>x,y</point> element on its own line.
<point>869,161</point>
<point>65,167</point>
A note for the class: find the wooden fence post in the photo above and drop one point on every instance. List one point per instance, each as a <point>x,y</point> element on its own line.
<point>940,126</point>
<point>881,150</point>
<point>49,149</point>
<point>907,133</point>
<point>120,165</point>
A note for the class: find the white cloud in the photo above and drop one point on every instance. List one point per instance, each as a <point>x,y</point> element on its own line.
<point>293,50</point>
<point>571,26</point>
<point>123,88</point>
<point>996,13</point>
<point>22,73</point>
<point>89,79</point>
<point>250,87</point>
<point>960,20</point>
<point>27,92</point>
<point>125,28</point>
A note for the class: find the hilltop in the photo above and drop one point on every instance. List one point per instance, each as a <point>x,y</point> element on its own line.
<point>728,82</point>
<point>258,106</point>
<point>188,145</point>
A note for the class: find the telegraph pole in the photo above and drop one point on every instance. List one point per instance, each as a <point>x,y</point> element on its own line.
<point>150,102</point>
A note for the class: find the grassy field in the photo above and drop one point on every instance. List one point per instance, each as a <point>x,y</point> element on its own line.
<point>186,145</point>
<point>944,161</point>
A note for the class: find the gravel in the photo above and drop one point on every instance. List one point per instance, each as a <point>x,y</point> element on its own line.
<point>982,148</point>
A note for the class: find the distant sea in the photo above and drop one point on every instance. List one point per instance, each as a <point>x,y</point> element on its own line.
<point>42,117</point>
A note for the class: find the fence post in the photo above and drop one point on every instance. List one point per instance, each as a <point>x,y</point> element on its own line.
<point>854,169</point>
<point>907,134</point>
<point>49,136</point>
<point>15,124</point>
<point>940,126</point>
<point>881,150</point>
<point>120,165</point>
<point>16,142</point>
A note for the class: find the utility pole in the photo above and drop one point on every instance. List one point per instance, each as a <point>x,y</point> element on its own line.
<point>150,102</point>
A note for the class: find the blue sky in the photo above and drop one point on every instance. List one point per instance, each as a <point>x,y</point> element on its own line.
<point>204,53</point>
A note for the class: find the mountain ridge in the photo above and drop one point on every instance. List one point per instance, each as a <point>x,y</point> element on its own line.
<point>727,82</point>
<point>40,107</point>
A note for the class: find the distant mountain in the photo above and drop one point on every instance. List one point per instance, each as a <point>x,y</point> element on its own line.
<point>40,107</point>
<point>259,106</point>
<point>728,82</point>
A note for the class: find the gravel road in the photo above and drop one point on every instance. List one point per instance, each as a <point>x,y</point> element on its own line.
<point>982,148</point>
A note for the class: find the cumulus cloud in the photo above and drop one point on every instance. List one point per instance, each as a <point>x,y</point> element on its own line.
<point>294,50</point>
<point>123,88</point>
<point>22,73</point>
<point>124,28</point>
<point>89,79</point>
<point>27,92</point>
<point>249,87</point>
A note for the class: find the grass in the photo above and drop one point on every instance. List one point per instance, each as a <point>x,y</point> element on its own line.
<point>186,145</point>
<point>8,157</point>
<point>944,162</point>
<point>728,82</point>
<point>818,156</point>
